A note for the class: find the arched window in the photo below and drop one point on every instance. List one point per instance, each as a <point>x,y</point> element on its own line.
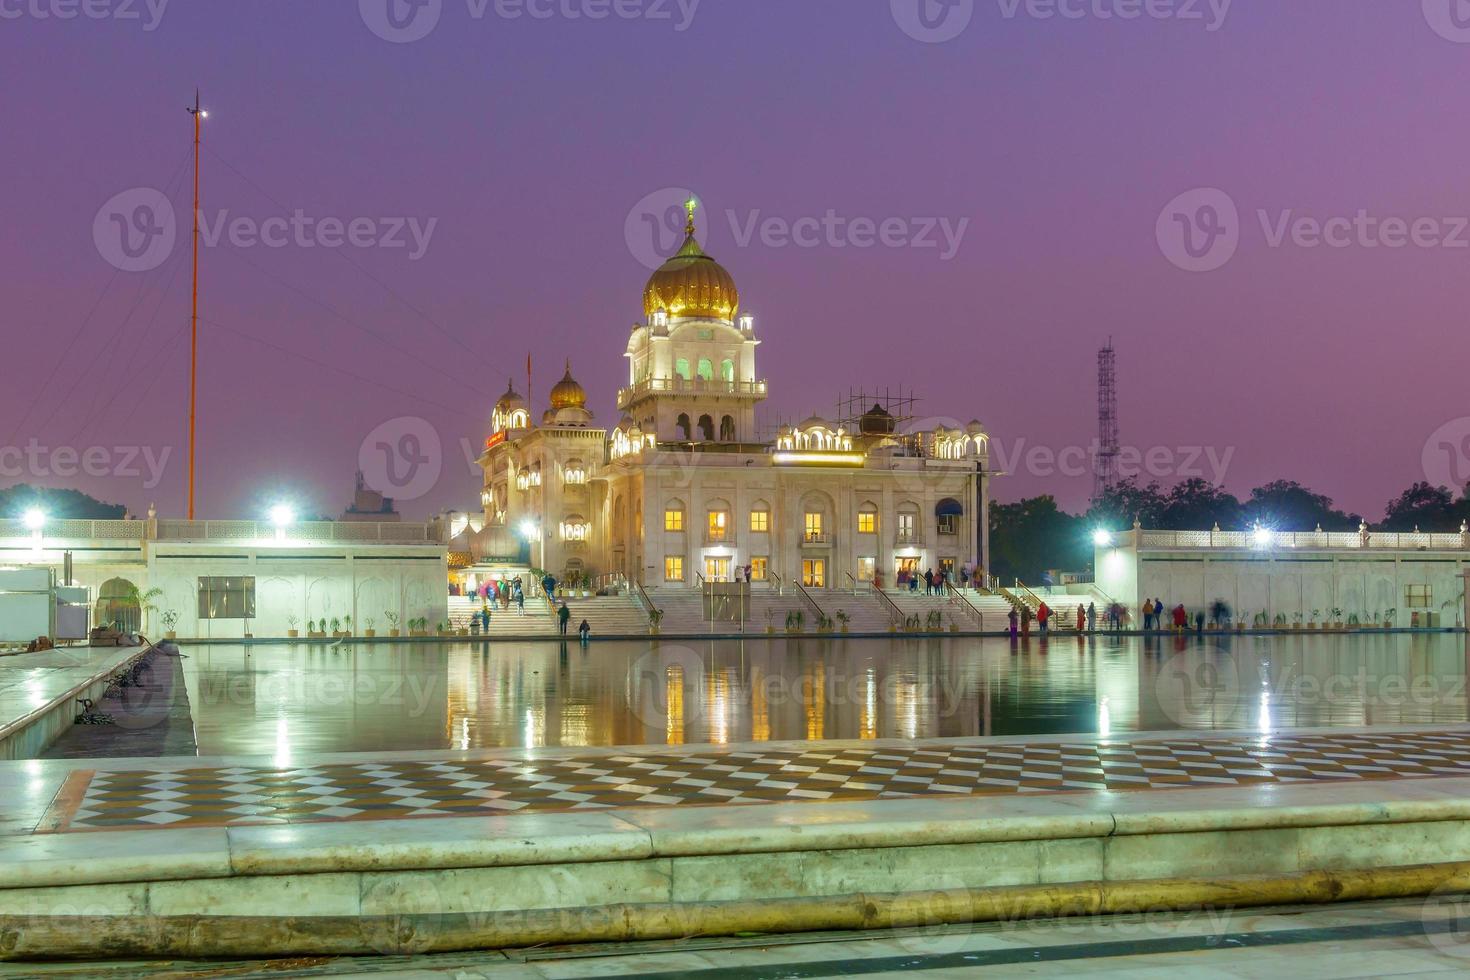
<point>727,369</point>
<point>706,369</point>
<point>681,368</point>
<point>947,513</point>
<point>727,429</point>
<point>683,425</point>
<point>707,428</point>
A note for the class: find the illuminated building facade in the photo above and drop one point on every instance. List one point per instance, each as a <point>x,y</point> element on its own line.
<point>683,489</point>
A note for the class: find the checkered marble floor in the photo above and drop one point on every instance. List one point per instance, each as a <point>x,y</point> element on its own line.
<point>138,799</point>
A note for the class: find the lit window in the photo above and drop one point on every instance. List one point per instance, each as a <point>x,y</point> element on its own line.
<point>673,520</point>
<point>719,523</point>
<point>673,569</point>
<point>906,526</point>
<point>760,520</point>
<point>813,527</point>
<point>866,566</point>
<point>758,568</point>
<point>575,475</point>
<point>867,522</point>
<point>814,573</point>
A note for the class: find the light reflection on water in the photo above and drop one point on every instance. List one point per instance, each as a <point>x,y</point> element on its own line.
<point>285,701</point>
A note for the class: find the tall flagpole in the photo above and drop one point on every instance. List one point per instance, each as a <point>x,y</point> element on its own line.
<point>199,115</point>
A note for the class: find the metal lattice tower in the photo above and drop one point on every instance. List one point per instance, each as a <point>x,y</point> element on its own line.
<point>1105,469</point>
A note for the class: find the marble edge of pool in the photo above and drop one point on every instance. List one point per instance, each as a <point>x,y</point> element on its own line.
<point>29,768</point>
<point>638,833</point>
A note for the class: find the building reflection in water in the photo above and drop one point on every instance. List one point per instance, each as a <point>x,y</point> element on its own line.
<point>285,701</point>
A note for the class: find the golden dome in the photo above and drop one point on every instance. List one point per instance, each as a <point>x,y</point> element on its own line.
<point>692,284</point>
<point>566,393</point>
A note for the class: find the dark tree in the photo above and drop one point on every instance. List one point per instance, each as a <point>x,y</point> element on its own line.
<point>1286,505</point>
<point>57,504</point>
<point>1425,507</point>
<point>1034,535</point>
<point>1125,502</point>
<point>1198,505</point>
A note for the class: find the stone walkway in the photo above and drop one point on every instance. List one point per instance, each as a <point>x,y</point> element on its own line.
<point>150,798</point>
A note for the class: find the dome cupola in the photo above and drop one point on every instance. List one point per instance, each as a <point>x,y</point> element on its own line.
<point>566,393</point>
<point>692,284</point>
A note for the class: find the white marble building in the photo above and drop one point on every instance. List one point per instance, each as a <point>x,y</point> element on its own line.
<point>683,488</point>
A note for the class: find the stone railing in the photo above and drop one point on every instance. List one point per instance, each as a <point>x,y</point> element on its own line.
<point>1299,540</point>
<point>692,386</point>
<point>312,532</point>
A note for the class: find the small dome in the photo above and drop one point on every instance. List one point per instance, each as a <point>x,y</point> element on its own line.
<point>876,421</point>
<point>566,393</point>
<point>510,401</point>
<point>815,422</point>
<point>692,284</point>
<point>975,428</point>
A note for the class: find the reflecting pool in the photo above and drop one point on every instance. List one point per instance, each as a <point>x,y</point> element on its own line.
<point>290,699</point>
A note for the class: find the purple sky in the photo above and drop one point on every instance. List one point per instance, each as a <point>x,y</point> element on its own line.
<point>530,141</point>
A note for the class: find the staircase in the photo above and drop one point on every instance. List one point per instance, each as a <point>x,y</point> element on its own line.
<point>614,615</point>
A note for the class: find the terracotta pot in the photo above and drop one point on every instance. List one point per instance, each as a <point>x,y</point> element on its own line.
<point>170,635</point>
<point>393,632</point>
<point>292,634</point>
<point>369,633</point>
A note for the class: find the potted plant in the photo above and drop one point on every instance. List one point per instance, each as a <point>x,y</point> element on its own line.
<point>170,619</point>
<point>893,625</point>
<point>795,621</point>
<point>336,626</point>
<point>370,627</point>
<point>770,619</point>
<point>1336,618</point>
<point>392,618</point>
<point>1354,621</point>
<point>843,618</point>
<point>346,625</point>
<point>293,621</point>
<point>1312,623</point>
<point>824,624</point>
<point>954,626</point>
<point>1296,620</point>
<point>655,616</point>
<point>1391,618</point>
<point>143,600</point>
<point>418,626</point>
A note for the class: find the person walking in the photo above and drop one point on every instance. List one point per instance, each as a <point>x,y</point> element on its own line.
<point>563,616</point>
<point>1043,616</point>
<point>1026,622</point>
<point>1148,614</point>
<point>520,597</point>
<point>929,581</point>
<point>1014,619</point>
<point>1092,617</point>
<point>913,582</point>
<point>1081,617</point>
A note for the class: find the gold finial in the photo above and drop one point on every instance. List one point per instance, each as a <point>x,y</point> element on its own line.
<point>691,206</point>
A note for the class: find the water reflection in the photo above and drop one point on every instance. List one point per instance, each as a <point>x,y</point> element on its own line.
<point>284,701</point>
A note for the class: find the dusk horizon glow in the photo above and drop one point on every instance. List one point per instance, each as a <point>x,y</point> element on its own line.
<point>970,220</point>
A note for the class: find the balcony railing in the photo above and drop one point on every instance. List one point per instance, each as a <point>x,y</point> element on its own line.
<point>907,539</point>
<point>1301,540</point>
<point>181,530</point>
<point>691,386</point>
<point>816,537</point>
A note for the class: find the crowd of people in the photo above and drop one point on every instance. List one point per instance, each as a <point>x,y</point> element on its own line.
<point>1116,617</point>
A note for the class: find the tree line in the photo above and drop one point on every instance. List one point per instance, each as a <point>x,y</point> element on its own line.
<point>1034,535</point>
